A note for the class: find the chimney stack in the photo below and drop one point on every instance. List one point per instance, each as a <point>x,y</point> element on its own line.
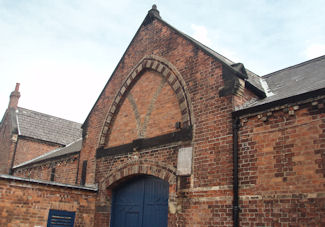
<point>14,97</point>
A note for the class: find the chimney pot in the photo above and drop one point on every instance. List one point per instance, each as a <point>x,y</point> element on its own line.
<point>17,87</point>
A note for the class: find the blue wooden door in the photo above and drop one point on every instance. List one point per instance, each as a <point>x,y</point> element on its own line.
<point>141,202</point>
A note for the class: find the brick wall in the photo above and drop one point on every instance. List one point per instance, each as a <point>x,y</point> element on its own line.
<point>6,144</point>
<point>111,171</point>
<point>28,149</point>
<point>242,96</point>
<point>143,112</point>
<point>24,203</point>
<point>209,188</point>
<point>281,168</point>
<point>163,79</point>
<point>202,79</point>
<point>65,170</point>
<point>9,133</point>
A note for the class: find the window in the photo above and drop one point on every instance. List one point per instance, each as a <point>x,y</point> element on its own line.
<point>52,174</point>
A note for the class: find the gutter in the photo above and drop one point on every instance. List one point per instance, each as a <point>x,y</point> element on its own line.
<point>307,96</point>
<point>236,208</point>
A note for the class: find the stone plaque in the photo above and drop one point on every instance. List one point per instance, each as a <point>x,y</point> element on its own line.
<point>184,161</point>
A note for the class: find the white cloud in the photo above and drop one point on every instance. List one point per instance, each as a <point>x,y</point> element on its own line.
<point>315,50</point>
<point>63,52</point>
<point>231,55</point>
<point>201,34</point>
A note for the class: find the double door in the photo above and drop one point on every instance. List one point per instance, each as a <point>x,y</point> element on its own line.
<point>141,202</point>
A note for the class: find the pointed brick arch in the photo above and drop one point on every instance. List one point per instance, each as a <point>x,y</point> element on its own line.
<point>172,77</point>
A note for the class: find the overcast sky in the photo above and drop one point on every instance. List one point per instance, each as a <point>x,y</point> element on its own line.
<point>62,52</point>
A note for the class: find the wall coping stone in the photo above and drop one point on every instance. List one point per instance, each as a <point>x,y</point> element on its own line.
<point>48,183</point>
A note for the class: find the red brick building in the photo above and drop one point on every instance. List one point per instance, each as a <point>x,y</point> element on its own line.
<point>182,136</point>
<point>29,137</point>
<point>59,165</point>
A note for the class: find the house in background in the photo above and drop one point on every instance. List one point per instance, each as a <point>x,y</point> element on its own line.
<point>59,165</point>
<point>182,136</point>
<point>27,135</point>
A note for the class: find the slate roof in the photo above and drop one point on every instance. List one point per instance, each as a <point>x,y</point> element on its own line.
<point>295,80</point>
<point>46,127</point>
<point>72,148</point>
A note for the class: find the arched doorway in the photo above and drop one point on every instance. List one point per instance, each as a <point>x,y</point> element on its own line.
<point>140,202</point>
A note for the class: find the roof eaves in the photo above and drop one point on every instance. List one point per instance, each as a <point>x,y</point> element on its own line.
<point>46,160</point>
<point>37,158</point>
<point>42,157</point>
<point>223,60</point>
<point>279,102</point>
<point>207,50</point>
<point>42,140</point>
<point>148,19</point>
<point>109,79</point>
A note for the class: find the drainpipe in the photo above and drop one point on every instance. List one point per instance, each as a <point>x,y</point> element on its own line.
<point>78,168</point>
<point>236,209</point>
<point>11,171</point>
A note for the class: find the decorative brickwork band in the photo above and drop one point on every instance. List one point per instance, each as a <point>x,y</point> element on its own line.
<point>170,75</point>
